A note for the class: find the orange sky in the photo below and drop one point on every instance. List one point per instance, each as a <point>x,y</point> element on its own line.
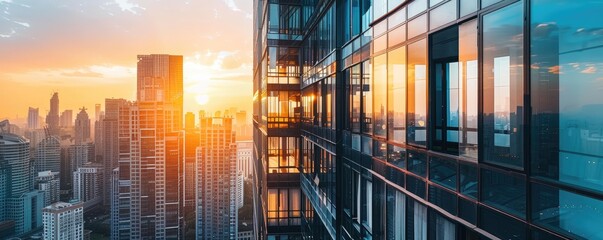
<point>86,50</point>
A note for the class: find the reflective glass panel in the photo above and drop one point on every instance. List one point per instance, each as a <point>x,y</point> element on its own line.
<point>396,73</point>
<point>380,95</point>
<point>503,86</point>
<point>417,93</point>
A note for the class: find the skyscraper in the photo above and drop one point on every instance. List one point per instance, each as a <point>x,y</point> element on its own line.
<point>33,116</point>
<point>216,180</point>
<point>437,119</point>
<point>20,203</point>
<point>111,145</point>
<point>49,183</point>
<point>87,184</point>
<point>82,127</point>
<point>154,153</point>
<point>52,119</point>
<point>191,142</point>
<point>66,119</point>
<point>47,155</point>
<point>63,221</point>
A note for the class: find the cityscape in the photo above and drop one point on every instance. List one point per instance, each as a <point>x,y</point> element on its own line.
<point>301,119</point>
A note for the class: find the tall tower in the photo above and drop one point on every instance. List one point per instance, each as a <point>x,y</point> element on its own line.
<point>82,127</point>
<point>32,118</point>
<point>155,156</point>
<point>52,119</point>
<point>67,118</point>
<point>216,180</point>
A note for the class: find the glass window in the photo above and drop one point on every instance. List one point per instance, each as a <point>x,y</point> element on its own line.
<point>468,210</point>
<point>504,191</point>
<point>283,154</point>
<point>486,3</point>
<point>566,212</point>
<point>468,6</point>
<point>380,7</point>
<point>444,229</point>
<point>434,2</point>
<point>417,223</point>
<point>468,86</point>
<point>501,226</point>
<point>444,122</point>
<point>416,121</point>
<point>417,163</point>
<point>443,172</point>
<point>355,93</point>
<point>367,145</point>
<point>395,214</point>
<point>367,98</point>
<point>396,36</point>
<point>397,18</point>
<point>416,7</point>
<point>446,200</point>
<point>503,86</point>
<point>417,26</point>
<point>442,15</point>
<point>379,149</point>
<point>380,95</point>
<point>396,156</point>
<point>396,75</point>
<point>567,107</point>
<point>468,180</point>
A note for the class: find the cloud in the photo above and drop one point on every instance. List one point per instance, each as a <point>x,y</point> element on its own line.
<point>91,75</point>
<point>126,5</point>
<point>589,70</point>
<point>84,73</point>
<point>232,5</point>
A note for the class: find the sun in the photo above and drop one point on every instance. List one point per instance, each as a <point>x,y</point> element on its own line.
<point>202,99</point>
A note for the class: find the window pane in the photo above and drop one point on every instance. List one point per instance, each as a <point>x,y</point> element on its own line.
<point>443,172</point>
<point>355,92</point>
<point>567,107</point>
<point>416,7</point>
<point>501,226</point>
<point>396,36</point>
<point>367,98</point>
<point>505,192</point>
<point>380,7</point>
<point>567,212</point>
<point>396,156</point>
<point>503,86</point>
<point>468,180</point>
<point>442,15</point>
<point>396,71</point>
<point>417,163</point>
<point>395,214</point>
<point>469,88</point>
<point>380,95</point>
<point>468,6</point>
<point>397,18</point>
<point>417,26</point>
<point>486,3</point>
<point>417,93</point>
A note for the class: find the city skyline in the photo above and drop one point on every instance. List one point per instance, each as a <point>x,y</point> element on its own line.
<point>102,64</point>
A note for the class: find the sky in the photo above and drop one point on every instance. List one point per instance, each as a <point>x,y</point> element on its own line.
<point>86,50</point>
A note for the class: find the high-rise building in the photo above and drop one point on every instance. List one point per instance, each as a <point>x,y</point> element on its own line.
<point>191,142</point>
<point>82,127</point>
<point>189,121</point>
<point>20,204</point>
<point>245,158</point>
<point>52,119</point>
<point>66,119</point>
<point>49,183</point>
<point>152,186</point>
<point>47,155</point>
<point>97,112</point>
<point>216,180</point>
<point>33,116</point>
<point>88,184</point>
<point>110,143</point>
<point>435,119</point>
<point>276,116</point>
<point>63,221</point>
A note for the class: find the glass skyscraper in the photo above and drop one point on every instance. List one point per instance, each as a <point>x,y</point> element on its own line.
<point>428,119</point>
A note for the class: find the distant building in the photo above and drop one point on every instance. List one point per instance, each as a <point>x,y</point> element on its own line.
<point>82,127</point>
<point>110,143</point>
<point>88,184</point>
<point>63,221</point>
<point>246,235</point>
<point>66,119</point>
<point>49,183</point>
<point>244,158</point>
<point>47,155</point>
<point>216,180</point>
<point>52,119</point>
<point>33,116</point>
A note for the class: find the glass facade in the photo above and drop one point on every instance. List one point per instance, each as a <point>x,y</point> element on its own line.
<point>429,119</point>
